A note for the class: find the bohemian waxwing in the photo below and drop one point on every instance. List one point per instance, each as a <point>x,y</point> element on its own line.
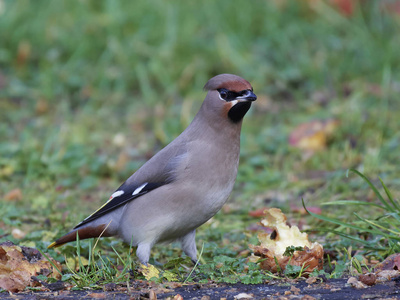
<point>183,185</point>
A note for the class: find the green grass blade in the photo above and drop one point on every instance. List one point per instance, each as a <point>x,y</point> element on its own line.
<point>384,202</point>
<point>350,237</point>
<point>397,234</point>
<point>335,221</point>
<point>396,216</point>
<point>352,202</point>
<point>197,262</point>
<point>389,195</point>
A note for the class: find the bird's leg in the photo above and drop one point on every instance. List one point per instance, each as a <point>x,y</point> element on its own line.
<point>143,253</point>
<point>188,243</point>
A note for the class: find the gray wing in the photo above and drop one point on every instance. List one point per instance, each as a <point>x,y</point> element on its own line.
<point>158,171</point>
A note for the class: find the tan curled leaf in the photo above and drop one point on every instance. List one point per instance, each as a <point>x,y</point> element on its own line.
<point>19,264</point>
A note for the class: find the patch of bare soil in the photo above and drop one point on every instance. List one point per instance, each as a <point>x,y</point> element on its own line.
<point>330,289</point>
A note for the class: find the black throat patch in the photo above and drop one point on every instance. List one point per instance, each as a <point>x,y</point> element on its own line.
<point>237,112</point>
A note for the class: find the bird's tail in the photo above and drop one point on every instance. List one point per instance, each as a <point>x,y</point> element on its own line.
<point>83,233</point>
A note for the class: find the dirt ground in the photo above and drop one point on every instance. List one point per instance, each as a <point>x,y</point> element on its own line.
<point>330,289</point>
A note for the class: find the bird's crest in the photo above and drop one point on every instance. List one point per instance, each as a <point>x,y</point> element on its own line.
<point>228,81</point>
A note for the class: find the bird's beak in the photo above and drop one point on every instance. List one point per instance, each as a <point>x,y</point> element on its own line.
<point>249,96</point>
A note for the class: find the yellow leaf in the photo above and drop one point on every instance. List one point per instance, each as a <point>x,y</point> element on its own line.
<point>170,276</point>
<point>73,262</point>
<point>150,271</point>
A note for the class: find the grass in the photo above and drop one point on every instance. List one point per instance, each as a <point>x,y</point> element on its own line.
<point>89,90</point>
<point>379,235</point>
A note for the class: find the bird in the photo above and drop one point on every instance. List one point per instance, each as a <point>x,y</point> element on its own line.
<point>183,185</point>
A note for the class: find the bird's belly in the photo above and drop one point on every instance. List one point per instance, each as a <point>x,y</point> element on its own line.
<point>166,215</point>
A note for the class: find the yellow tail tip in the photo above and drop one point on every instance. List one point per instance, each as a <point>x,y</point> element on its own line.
<point>52,245</point>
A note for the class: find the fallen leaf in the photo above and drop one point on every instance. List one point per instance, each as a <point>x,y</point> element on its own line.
<point>307,297</point>
<point>257,213</point>
<point>19,264</point>
<point>149,271</point>
<point>18,233</point>
<point>346,7</point>
<point>23,52</point>
<point>392,262</point>
<point>295,290</point>
<point>13,195</point>
<point>6,171</point>
<point>119,139</point>
<point>76,262</point>
<point>243,296</point>
<point>353,282</point>
<point>311,280</point>
<point>313,135</point>
<point>97,295</point>
<point>174,285</point>
<point>368,279</point>
<point>152,295</point>
<point>42,106</point>
<point>387,275</point>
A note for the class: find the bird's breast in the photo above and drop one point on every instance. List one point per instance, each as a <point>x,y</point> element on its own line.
<point>210,172</point>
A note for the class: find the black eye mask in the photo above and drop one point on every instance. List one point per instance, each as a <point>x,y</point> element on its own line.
<point>228,95</point>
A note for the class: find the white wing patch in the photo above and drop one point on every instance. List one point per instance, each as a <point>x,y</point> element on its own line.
<point>139,189</point>
<point>116,194</point>
<point>117,202</point>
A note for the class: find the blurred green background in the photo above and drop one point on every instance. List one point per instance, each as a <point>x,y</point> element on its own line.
<point>89,90</point>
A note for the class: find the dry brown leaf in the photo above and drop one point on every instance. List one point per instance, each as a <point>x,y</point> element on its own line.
<point>42,106</point>
<point>274,245</point>
<point>257,213</point>
<point>307,297</point>
<point>368,279</point>
<point>353,282</point>
<point>243,296</point>
<point>387,275</point>
<point>23,52</point>
<point>313,135</point>
<point>392,262</point>
<point>97,295</point>
<point>13,195</point>
<point>346,7</point>
<point>152,295</point>
<point>311,280</point>
<point>294,290</point>
<point>19,264</point>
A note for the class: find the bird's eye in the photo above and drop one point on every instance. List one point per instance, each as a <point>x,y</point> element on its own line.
<point>223,93</point>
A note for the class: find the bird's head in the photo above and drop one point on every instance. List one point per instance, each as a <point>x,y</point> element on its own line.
<point>229,96</point>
